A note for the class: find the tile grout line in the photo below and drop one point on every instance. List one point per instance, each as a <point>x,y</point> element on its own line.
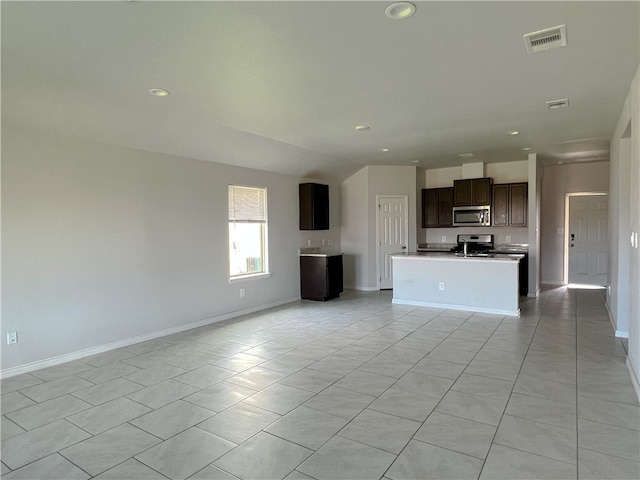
<point>541,314</point>
<point>448,390</point>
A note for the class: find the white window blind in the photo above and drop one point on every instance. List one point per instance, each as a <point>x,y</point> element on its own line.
<point>247,204</point>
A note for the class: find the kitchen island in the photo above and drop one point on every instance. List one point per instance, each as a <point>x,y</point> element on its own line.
<point>482,283</point>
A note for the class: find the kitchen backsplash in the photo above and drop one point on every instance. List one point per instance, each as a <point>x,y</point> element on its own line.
<point>503,235</point>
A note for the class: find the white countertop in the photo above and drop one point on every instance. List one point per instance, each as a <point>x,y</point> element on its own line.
<point>317,252</point>
<point>497,257</point>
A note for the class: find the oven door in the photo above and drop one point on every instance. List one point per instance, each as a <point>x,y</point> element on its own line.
<point>472,216</point>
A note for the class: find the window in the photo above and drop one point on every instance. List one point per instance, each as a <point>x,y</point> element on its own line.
<point>247,231</point>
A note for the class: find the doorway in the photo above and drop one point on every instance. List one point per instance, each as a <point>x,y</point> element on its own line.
<point>392,232</point>
<point>586,240</point>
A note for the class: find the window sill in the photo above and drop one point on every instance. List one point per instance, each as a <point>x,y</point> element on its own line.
<point>249,277</point>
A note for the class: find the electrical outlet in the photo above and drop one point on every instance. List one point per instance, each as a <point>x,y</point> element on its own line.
<point>444,239</point>
<point>324,242</point>
<point>243,292</point>
<point>508,239</point>
<point>308,243</point>
<point>12,337</point>
<point>330,242</point>
<point>441,286</point>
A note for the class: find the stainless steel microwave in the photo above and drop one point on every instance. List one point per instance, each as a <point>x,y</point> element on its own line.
<point>472,216</point>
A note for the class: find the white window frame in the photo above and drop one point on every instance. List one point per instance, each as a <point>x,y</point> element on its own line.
<point>261,218</point>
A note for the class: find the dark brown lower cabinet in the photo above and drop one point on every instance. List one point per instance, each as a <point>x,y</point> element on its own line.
<point>320,277</point>
<point>523,275</point>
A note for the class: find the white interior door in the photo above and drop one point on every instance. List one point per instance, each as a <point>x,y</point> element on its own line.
<point>393,230</point>
<point>588,217</point>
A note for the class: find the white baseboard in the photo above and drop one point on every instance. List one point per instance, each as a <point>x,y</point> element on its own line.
<point>535,294</point>
<point>448,306</point>
<point>361,288</point>
<point>67,357</point>
<point>634,378</point>
<point>619,333</point>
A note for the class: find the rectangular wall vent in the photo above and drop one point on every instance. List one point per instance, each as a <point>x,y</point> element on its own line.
<point>558,104</point>
<point>546,39</point>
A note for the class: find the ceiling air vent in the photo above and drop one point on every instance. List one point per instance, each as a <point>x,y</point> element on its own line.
<point>546,39</point>
<point>558,104</point>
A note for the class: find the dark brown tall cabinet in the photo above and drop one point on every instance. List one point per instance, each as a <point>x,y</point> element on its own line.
<point>314,206</point>
<point>320,277</point>
<point>472,192</point>
<point>436,207</point>
<point>509,205</point>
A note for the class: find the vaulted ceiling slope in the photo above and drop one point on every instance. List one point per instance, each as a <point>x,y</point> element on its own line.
<point>281,86</point>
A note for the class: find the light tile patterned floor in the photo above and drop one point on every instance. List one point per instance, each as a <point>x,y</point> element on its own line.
<point>353,388</point>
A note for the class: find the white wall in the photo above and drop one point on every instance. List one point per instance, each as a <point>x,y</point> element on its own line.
<point>102,244</point>
<point>355,230</point>
<point>558,181</point>
<point>619,227</point>
<point>359,218</point>
<point>624,206</point>
<point>535,188</point>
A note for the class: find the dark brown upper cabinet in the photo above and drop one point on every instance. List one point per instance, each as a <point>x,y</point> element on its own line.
<point>472,192</point>
<point>437,207</point>
<point>509,207</point>
<point>314,206</point>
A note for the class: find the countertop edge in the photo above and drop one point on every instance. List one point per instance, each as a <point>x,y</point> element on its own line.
<point>498,257</point>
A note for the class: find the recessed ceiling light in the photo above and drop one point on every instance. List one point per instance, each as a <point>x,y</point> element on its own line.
<point>400,10</point>
<point>384,149</point>
<point>513,132</point>
<point>415,161</point>
<point>159,92</point>
<point>465,155</point>
<point>362,128</point>
<point>526,149</point>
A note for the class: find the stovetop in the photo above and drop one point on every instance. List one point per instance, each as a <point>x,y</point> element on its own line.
<point>475,243</point>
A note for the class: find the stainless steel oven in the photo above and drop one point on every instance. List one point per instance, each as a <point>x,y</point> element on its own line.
<point>472,216</point>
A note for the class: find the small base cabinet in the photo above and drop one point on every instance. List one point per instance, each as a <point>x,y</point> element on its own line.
<point>320,277</point>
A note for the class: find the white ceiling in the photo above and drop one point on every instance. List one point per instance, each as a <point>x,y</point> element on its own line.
<point>280,86</point>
